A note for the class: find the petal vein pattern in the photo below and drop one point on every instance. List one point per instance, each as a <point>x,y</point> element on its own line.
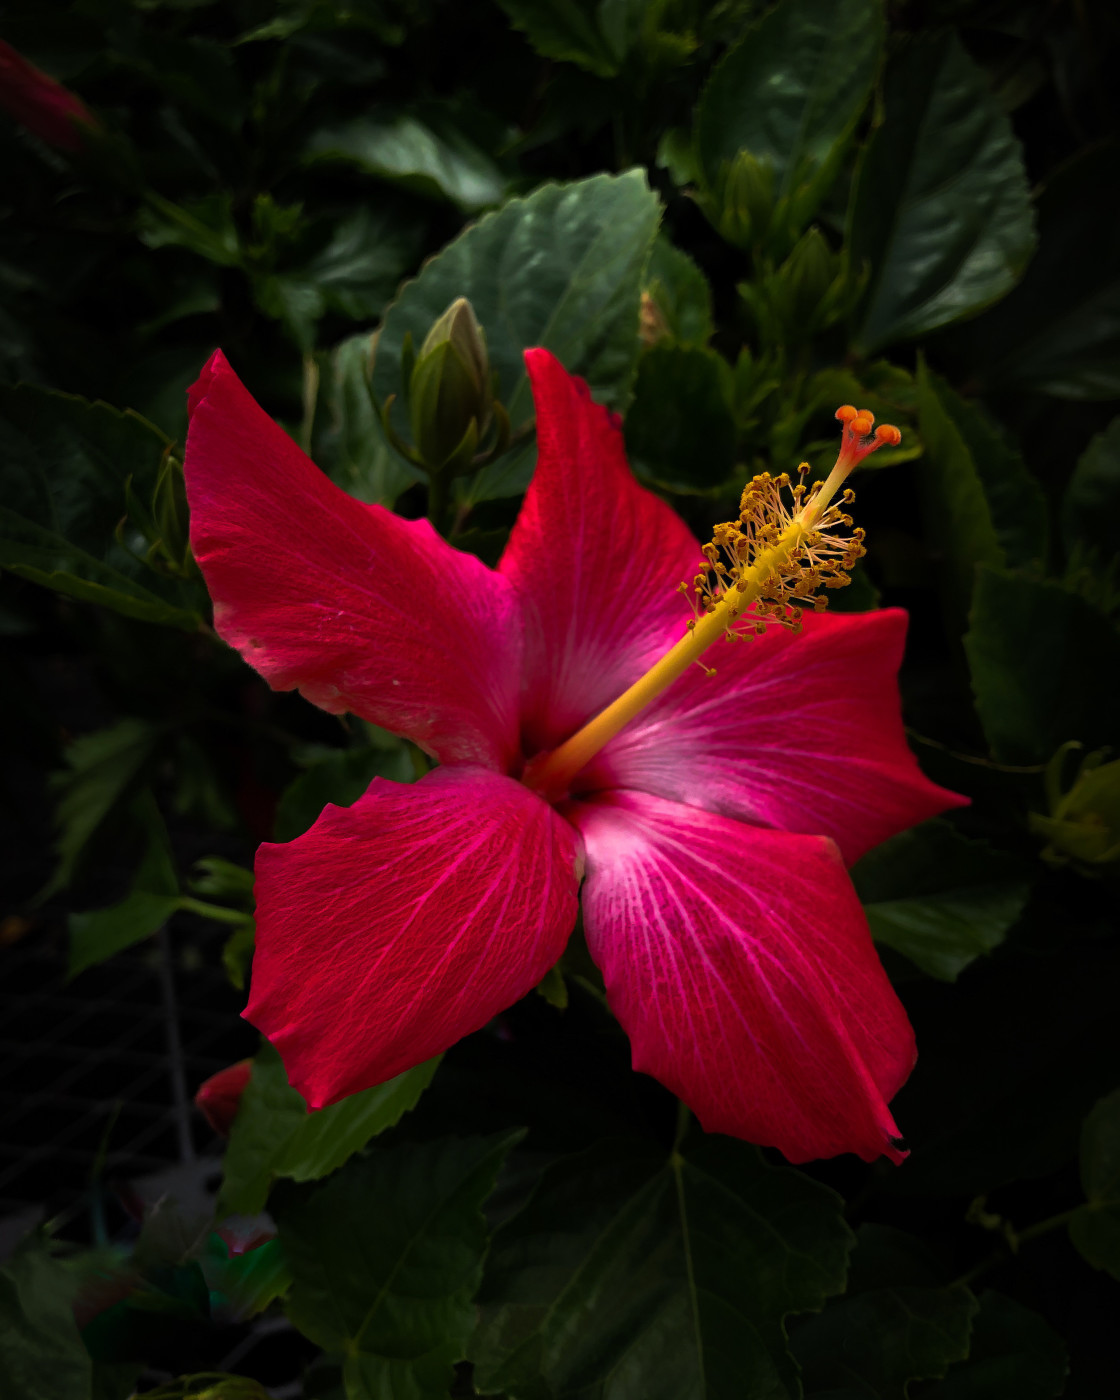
<point>359,609</point>
<point>798,731</point>
<point>739,962</point>
<point>596,560</point>
<point>395,927</point>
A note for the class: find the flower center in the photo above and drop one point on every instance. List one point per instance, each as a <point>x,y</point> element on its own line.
<point>787,543</point>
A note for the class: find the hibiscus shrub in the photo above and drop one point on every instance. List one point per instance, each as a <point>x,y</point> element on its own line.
<point>671,969</point>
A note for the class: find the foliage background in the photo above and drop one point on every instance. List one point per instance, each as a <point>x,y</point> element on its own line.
<point>730,218</point>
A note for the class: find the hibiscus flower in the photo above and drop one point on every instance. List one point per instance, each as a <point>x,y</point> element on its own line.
<point>710,832</point>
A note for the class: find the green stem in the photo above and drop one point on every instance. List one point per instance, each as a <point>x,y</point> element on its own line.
<point>1016,1238</point>
<point>218,912</point>
<point>439,499</point>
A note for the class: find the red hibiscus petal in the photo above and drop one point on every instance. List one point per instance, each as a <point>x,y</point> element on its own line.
<point>359,609</point>
<point>797,731</point>
<point>395,927</point>
<point>596,559</point>
<point>739,962</point>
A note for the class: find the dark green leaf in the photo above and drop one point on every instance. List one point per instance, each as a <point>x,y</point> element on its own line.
<point>1095,1227</point>
<point>1091,508</point>
<point>790,92</point>
<point>350,444</point>
<point>274,1135</point>
<point>680,429</point>
<point>353,274</point>
<point>245,1283</point>
<point>439,162</point>
<point>101,768</point>
<point>894,1326</point>
<point>1045,667</point>
<point>680,293</point>
<point>1059,332</point>
<point>1013,1354</point>
<point>567,30</point>
<point>339,776</point>
<point>941,208</point>
<point>563,269</point>
<point>41,1352</point>
<point>631,1275</point>
<point>391,1287</point>
<point>205,227</point>
<point>982,505</point>
<point>939,898</point>
<point>65,467</point>
<point>152,899</point>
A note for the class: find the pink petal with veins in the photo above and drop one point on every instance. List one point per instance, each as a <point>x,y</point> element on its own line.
<point>739,962</point>
<point>596,560</point>
<point>357,608</point>
<point>802,732</point>
<point>396,926</point>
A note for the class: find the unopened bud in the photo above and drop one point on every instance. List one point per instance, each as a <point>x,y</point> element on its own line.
<point>43,106</point>
<point>219,1097</point>
<point>806,277</point>
<point>1084,825</point>
<point>451,401</point>
<point>748,200</point>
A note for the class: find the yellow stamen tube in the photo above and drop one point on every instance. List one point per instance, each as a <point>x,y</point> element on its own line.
<point>553,772</point>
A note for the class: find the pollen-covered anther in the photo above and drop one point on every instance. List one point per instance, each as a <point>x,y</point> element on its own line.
<point>812,557</point>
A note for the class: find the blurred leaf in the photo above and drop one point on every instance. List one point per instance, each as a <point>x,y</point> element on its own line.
<point>115,1380</point>
<point>339,776</point>
<point>680,292</point>
<point>568,30</point>
<point>237,953</point>
<point>629,1274</point>
<point>939,898</point>
<point>100,770</point>
<point>982,505</point>
<point>784,94</point>
<point>680,429</point>
<point>65,467</point>
<point>1095,1227</point>
<point>218,878</point>
<point>1045,667</point>
<point>41,1352</point>
<point>350,442</point>
<point>246,1282</point>
<point>1091,506</point>
<point>1013,1353</point>
<point>1059,331</point>
<point>563,269</point>
<point>150,902</point>
<point>354,273</point>
<point>205,227</point>
<point>892,1328</point>
<point>941,208</point>
<point>440,163</point>
<point>391,1288</point>
<point>274,1134</point>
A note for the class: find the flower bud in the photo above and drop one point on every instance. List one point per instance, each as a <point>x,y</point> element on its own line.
<point>748,200</point>
<point>44,107</point>
<point>1084,824</point>
<point>451,399</point>
<point>806,277</point>
<point>219,1097</point>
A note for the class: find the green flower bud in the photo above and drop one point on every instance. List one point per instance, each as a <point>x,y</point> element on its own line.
<point>1084,824</point>
<point>450,392</point>
<point>748,200</point>
<point>806,278</point>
